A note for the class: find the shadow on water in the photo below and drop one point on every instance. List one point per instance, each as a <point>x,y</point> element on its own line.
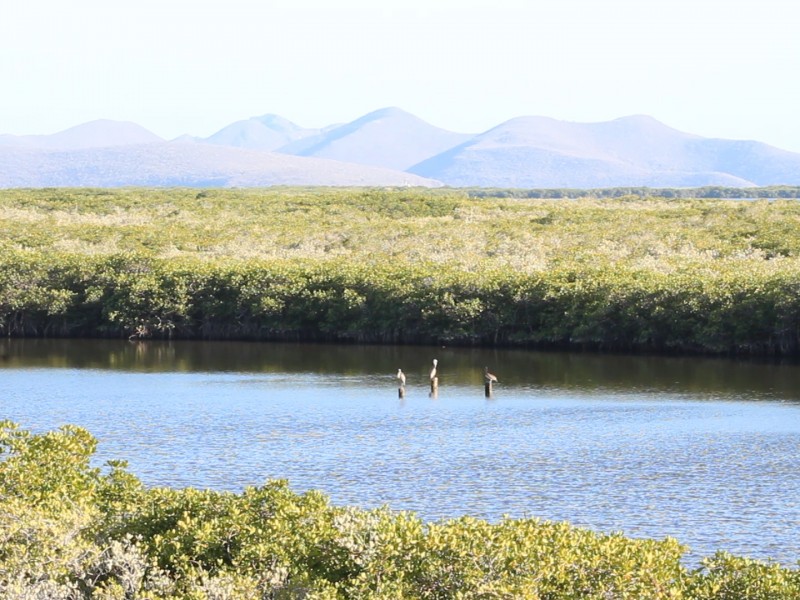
<point>584,372</point>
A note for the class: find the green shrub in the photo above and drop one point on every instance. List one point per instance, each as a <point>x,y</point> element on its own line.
<point>656,274</point>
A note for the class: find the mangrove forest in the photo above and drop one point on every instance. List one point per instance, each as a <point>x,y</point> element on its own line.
<point>628,273</point>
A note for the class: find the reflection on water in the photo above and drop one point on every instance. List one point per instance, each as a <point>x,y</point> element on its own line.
<point>700,449</point>
<point>562,371</point>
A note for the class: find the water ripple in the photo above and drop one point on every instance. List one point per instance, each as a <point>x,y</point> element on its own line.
<point>714,473</point>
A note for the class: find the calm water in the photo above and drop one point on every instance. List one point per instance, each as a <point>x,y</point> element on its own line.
<point>707,451</point>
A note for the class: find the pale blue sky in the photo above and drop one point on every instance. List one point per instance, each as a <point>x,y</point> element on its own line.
<point>717,68</point>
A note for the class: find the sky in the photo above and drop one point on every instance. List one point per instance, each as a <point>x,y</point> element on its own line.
<point>715,68</point>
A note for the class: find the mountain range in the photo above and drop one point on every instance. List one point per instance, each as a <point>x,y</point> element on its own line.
<point>394,148</point>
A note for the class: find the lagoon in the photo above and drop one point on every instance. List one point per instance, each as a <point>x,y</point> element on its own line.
<point>703,450</point>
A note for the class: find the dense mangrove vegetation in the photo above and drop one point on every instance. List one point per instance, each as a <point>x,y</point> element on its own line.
<point>711,191</point>
<point>407,266</point>
<point>69,530</point>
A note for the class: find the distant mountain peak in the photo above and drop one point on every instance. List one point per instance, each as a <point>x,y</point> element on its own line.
<point>276,122</point>
<point>637,118</point>
<point>390,113</point>
<point>388,137</point>
<point>99,133</point>
<point>267,132</point>
<point>636,150</point>
<point>382,113</point>
<point>640,124</point>
<point>104,125</point>
<point>526,152</point>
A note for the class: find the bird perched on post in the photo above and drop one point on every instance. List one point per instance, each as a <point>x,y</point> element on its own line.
<point>490,378</point>
<point>401,376</point>
<point>433,370</point>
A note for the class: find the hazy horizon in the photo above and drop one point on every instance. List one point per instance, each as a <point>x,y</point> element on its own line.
<point>716,69</point>
<point>190,134</point>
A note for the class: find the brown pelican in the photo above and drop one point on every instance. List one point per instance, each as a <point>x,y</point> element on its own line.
<point>488,376</point>
<point>433,370</point>
<point>401,376</point>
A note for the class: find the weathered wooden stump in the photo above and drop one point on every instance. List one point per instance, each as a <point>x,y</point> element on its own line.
<point>488,379</point>
<point>401,377</point>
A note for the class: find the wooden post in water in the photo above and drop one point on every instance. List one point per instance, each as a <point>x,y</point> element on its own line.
<point>434,380</point>
<point>488,379</point>
<point>401,377</point>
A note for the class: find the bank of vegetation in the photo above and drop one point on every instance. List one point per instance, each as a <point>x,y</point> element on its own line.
<point>69,530</point>
<point>403,266</point>
<point>711,191</point>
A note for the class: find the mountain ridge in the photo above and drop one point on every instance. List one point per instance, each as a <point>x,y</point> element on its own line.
<point>99,133</point>
<point>390,146</point>
<point>411,140</point>
<point>267,132</point>
<point>185,164</point>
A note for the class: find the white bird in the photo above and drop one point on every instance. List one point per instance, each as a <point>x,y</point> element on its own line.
<point>433,370</point>
<point>401,376</point>
<point>488,376</point>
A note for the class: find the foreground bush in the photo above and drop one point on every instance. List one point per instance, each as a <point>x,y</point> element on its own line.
<point>71,531</point>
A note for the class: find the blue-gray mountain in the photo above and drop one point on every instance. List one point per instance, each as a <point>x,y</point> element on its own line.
<point>632,151</point>
<point>268,132</point>
<point>185,164</point>
<point>393,147</point>
<point>102,133</point>
<point>388,137</point>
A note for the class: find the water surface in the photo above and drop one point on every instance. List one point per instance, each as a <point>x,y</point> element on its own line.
<point>703,450</point>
